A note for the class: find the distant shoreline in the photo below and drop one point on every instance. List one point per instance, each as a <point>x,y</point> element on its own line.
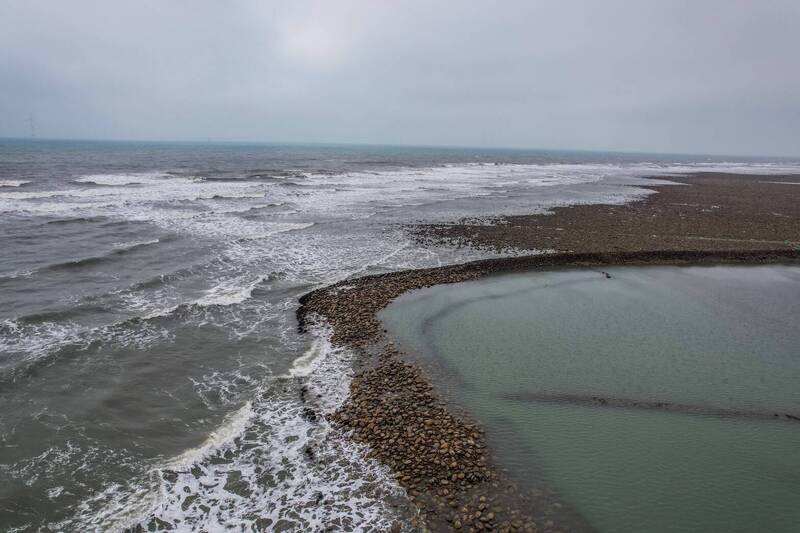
<point>440,458</point>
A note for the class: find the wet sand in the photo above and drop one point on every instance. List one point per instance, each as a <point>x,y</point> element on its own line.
<point>438,455</point>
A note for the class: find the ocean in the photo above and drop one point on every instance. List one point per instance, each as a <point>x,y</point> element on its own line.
<point>151,371</point>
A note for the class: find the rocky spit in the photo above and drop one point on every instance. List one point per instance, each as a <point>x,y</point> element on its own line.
<point>438,455</point>
<point>702,211</point>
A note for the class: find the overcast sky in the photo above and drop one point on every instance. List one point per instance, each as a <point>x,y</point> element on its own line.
<point>668,76</point>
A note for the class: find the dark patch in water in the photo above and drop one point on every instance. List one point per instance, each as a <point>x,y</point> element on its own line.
<point>599,401</point>
<point>79,220</point>
<point>60,315</point>
<point>94,260</point>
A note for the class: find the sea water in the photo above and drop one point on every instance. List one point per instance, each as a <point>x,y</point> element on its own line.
<point>150,367</point>
<point>651,398</point>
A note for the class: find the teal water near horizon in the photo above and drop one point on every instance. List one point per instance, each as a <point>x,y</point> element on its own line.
<point>698,367</point>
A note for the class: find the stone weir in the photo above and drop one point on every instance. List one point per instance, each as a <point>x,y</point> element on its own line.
<point>437,454</point>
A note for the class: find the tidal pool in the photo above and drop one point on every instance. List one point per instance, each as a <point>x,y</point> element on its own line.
<point>651,398</point>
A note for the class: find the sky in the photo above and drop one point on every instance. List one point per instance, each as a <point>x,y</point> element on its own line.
<point>700,76</point>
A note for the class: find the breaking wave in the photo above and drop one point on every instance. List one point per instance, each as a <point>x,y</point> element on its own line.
<point>230,292</point>
<point>75,220</point>
<point>275,463</point>
<point>13,183</point>
<point>119,249</point>
<point>128,246</point>
<point>117,180</point>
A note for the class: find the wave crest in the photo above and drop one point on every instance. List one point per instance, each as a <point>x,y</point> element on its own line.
<point>13,183</point>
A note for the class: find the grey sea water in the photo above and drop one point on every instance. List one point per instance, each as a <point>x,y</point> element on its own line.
<point>150,368</point>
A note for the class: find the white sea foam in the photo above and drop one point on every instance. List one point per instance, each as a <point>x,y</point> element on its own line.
<point>54,492</point>
<point>305,365</point>
<point>226,293</point>
<point>13,183</point>
<point>230,292</point>
<point>80,462</point>
<point>66,193</point>
<point>125,246</point>
<point>37,341</point>
<point>224,389</point>
<point>279,227</point>
<point>353,195</point>
<point>17,274</point>
<point>112,509</point>
<point>233,426</point>
<point>131,196</point>
<point>124,179</point>
<point>274,462</point>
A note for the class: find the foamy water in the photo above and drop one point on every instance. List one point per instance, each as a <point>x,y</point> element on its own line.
<point>13,183</point>
<point>149,356</point>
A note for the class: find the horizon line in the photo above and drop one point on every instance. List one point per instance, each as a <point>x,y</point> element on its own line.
<point>396,145</point>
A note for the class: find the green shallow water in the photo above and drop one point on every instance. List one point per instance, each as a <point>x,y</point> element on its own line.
<point>527,353</point>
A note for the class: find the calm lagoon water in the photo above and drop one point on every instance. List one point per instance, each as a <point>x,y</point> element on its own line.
<point>528,354</point>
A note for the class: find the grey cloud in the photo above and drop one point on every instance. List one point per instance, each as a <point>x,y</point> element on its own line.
<point>674,76</point>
